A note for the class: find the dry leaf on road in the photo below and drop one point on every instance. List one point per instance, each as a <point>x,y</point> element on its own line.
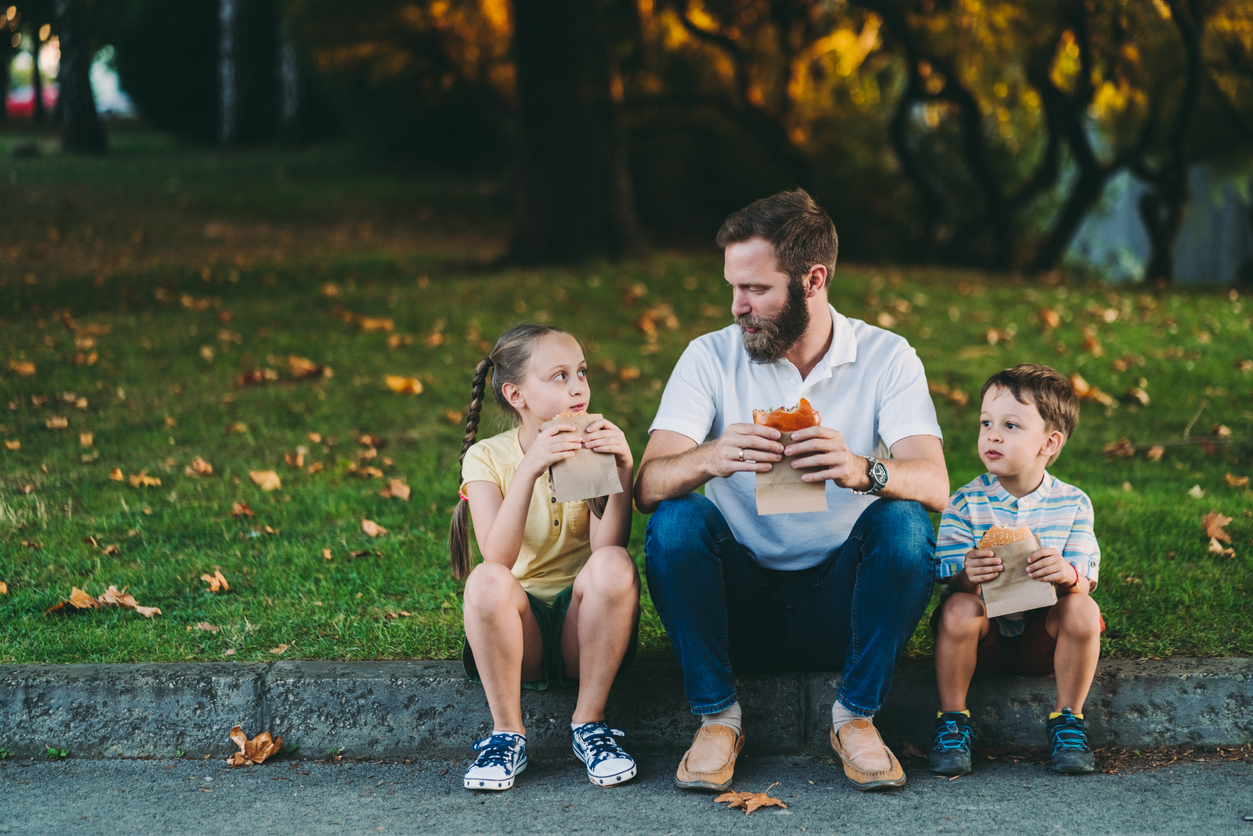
<point>217,582</point>
<point>1214,524</point>
<point>253,751</point>
<point>395,489</point>
<point>750,801</point>
<point>403,385</point>
<point>372,528</point>
<point>266,480</point>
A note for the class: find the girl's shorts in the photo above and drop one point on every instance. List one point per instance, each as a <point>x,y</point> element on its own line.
<point>552,620</point>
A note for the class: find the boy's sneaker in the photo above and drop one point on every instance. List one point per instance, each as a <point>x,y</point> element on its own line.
<point>501,757</point>
<point>597,746</point>
<point>950,752</point>
<point>1068,741</point>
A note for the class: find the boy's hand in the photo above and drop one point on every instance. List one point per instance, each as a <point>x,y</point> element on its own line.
<point>1048,565</point>
<point>981,566</point>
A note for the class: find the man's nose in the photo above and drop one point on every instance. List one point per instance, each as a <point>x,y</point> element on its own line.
<point>739,304</point>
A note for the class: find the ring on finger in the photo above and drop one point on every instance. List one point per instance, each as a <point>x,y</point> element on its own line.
<point>741,454</point>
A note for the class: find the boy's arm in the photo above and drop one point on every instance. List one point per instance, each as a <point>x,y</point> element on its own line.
<point>954,539</point>
<point>1082,551</point>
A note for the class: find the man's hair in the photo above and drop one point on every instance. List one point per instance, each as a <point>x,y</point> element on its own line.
<point>799,231</point>
<point>1051,393</point>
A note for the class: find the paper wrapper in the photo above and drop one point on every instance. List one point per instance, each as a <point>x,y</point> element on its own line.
<point>781,491</point>
<point>586,474</point>
<point>1013,590</point>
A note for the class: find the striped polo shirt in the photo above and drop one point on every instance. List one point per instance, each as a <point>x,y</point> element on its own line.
<point>1058,514</point>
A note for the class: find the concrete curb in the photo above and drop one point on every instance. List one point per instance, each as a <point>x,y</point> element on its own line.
<point>429,709</point>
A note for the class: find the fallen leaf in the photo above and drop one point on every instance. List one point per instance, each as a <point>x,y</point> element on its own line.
<point>13,444</point>
<point>299,367</point>
<point>199,467</point>
<point>171,421</point>
<point>367,440</point>
<point>205,627</point>
<point>82,600</point>
<point>628,374</point>
<point>403,385</point>
<point>316,438</point>
<point>372,528</point>
<point>1237,481</point>
<point>1214,523</point>
<point>1121,449</point>
<point>1087,392</point>
<point>85,439</point>
<point>217,582</point>
<point>22,368</point>
<point>60,422</point>
<point>143,480</point>
<point>297,459</point>
<point>1215,547</point>
<point>1220,430</point>
<point>27,488</point>
<point>1155,453</point>
<point>912,751</point>
<point>1136,393</point>
<point>452,416</point>
<point>1196,492</point>
<point>253,377</point>
<point>1050,317</point>
<point>236,427</point>
<point>750,801</point>
<point>240,509</point>
<point>370,472</point>
<point>282,648</point>
<point>266,480</point>
<point>120,598</point>
<point>375,323</point>
<point>253,751</point>
<point>4,588</point>
<point>327,554</point>
<point>117,475</point>
<point>111,549</point>
<point>314,468</point>
<point>395,489</point>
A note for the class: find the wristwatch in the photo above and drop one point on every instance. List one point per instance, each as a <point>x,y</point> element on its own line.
<point>878,475</point>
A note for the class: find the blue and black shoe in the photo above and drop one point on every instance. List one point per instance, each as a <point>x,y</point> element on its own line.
<point>950,752</point>
<point>1068,744</point>
<point>501,757</point>
<point>597,746</point>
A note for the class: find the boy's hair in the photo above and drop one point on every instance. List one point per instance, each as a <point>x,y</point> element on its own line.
<point>1047,389</point>
<point>801,234</point>
<point>508,362</point>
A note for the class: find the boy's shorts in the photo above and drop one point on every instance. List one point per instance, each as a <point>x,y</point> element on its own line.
<point>552,620</point>
<point>1028,654</point>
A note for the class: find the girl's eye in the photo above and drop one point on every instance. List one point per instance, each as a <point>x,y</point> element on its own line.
<point>559,376</point>
<point>583,373</point>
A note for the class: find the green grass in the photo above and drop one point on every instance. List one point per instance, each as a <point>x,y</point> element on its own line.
<point>154,305</point>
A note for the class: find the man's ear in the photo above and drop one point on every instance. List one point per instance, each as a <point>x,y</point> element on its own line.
<point>513,395</point>
<point>1052,443</point>
<point>816,280</point>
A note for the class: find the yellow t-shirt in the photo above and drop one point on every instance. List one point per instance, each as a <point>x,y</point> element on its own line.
<point>556,542</point>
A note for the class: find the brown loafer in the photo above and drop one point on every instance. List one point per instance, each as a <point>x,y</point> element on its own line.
<point>868,763</point>
<point>709,762</point>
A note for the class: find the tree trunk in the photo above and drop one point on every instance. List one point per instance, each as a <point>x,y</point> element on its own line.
<point>227,91</point>
<point>82,133</point>
<point>248,71</point>
<point>6,56</point>
<point>573,190</point>
<point>39,114</point>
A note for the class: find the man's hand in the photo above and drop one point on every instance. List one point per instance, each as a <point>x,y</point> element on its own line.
<point>743,447</point>
<point>825,448</point>
<point>1048,565</point>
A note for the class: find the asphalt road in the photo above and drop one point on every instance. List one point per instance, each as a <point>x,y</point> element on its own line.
<point>75,796</point>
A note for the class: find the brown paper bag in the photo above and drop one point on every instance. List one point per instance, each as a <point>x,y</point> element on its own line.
<point>586,474</point>
<point>781,491</point>
<point>1013,590</point>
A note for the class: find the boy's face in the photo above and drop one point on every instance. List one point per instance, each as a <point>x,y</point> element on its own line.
<point>1013,441</point>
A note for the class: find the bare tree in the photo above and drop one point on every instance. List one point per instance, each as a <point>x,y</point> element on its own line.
<point>82,132</point>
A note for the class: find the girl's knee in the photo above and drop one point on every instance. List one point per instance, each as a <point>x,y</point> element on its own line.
<point>490,587</point>
<point>610,572</point>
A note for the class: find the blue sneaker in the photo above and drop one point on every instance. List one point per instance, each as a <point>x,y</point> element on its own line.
<point>501,757</point>
<point>1068,742</point>
<point>597,746</point>
<point>950,751</point>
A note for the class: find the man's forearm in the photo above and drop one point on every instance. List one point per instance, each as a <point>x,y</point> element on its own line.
<point>666,477</point>
<point>917,479</point>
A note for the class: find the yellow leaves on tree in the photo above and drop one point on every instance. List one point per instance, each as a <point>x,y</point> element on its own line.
<point>266,480</point>
<point>403,385</point>
<point>372,528</point>
<point>750,801</point>
<point>112,597</point>
<point>253,751</point>
<point>395,489</point>
<point>217,581</point>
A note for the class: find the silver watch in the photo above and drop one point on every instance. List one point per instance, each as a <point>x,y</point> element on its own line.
<point>878,474</point>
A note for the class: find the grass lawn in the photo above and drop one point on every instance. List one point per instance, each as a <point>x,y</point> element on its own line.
<point>142,286</point>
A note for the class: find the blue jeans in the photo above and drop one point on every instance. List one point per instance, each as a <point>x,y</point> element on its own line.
<point>724,613</point>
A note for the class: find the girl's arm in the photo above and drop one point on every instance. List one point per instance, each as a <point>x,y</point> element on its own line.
<point>500,521</point>
<point>614,527</point>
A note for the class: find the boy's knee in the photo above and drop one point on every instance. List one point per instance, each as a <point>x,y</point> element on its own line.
<point>1080,614</point>
<point>961,613</point>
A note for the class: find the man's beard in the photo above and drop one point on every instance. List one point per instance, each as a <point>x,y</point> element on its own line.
<point>776,336</point>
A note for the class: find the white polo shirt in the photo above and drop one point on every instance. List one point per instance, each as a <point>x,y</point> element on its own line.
<point>870,386</point>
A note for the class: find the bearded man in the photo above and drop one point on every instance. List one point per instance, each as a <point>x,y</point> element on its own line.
<point>840,589</point>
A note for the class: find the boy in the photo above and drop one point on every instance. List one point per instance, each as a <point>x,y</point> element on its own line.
<point>1028,414</point>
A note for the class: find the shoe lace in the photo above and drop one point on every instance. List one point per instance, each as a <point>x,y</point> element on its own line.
<point>496,750</point>
<point>1068,733</point>
<point>953,736</point>
<point>600,742</point>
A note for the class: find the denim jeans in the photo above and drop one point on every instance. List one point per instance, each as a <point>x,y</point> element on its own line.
<point>856,611</point>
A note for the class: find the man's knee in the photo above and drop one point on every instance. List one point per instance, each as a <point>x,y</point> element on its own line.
<point>674,524</point>
<point>900,532</point>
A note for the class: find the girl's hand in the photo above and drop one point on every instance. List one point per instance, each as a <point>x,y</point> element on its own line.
<point>603,437</point>
<point>554,444</point>
<point>1049,565</point>
<point>981,566</point>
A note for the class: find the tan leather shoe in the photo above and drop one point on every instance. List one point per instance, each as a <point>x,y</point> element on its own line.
<point>710,761</point>
<point>868,763</point>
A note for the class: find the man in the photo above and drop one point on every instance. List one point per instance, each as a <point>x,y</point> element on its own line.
<point>842,588</point>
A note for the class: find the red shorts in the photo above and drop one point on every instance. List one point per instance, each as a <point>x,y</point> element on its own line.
<point>1028,654</point>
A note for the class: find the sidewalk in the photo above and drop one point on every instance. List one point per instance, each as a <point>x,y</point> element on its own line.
<point>429,709</point>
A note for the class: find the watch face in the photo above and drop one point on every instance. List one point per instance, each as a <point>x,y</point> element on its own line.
<point>879,473</point>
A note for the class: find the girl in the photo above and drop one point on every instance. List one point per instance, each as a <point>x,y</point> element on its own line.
<point>556,597</point>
